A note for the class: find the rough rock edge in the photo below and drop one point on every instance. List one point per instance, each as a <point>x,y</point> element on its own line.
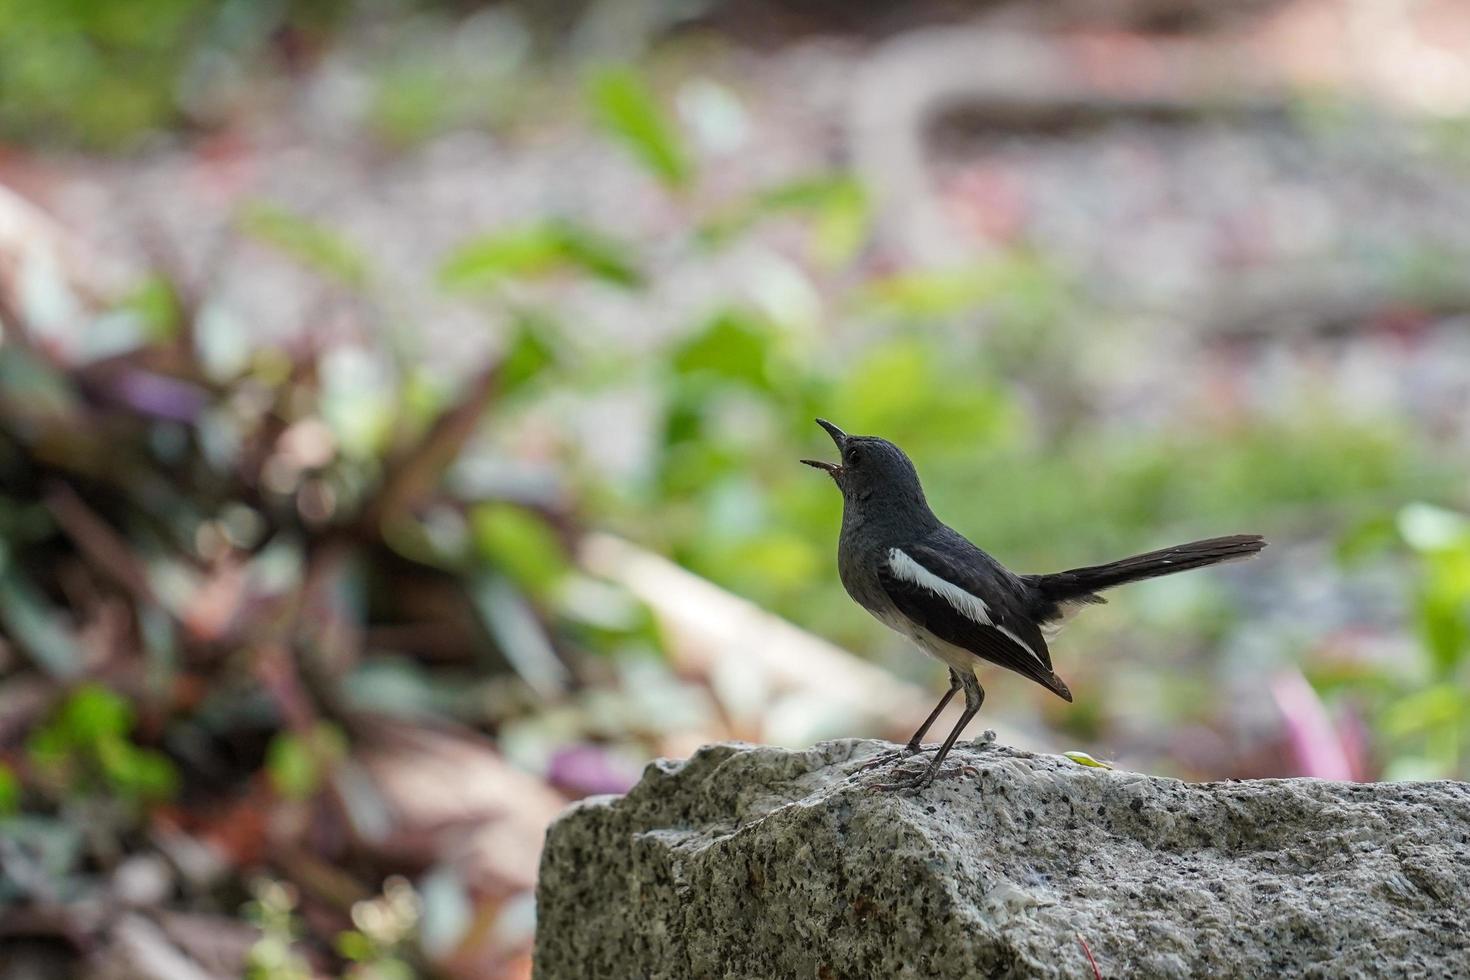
<point>749,861</point>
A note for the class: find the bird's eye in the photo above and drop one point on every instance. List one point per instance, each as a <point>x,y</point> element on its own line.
<point>851,456</point>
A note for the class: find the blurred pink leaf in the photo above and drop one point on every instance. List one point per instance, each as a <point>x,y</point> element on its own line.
<point>1315,742</point>
<point>590,770</point>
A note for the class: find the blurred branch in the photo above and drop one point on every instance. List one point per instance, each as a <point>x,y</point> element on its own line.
<point>96,539</point>
<point>939,81</point>
<point>410,478</point>
<point>1276,303</point>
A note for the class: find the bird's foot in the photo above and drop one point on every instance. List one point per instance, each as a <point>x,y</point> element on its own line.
<point>916,781</point>
<point>889,756</point>
<point>906,782</point>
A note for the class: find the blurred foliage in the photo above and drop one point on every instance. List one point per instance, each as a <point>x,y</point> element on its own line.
<point>86,748</point>
<point>378,947</point>
<point>100,74</point>
<point>310,244</point>
<point>273,957</point>
<point>227,571</point>
<point>626,108</point>
<point>837,204</point>
<point>231,568</point>
<point>299,763</point>
<point>381,942</point>
<point>76,73</point>
<point>554,247</point>
<point>1422,708</point>
<point>55,58</point>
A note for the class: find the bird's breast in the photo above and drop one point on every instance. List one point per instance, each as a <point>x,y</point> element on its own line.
<point>857,566</point>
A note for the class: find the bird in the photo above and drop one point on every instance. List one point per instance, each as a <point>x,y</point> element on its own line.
<point>930,584</point>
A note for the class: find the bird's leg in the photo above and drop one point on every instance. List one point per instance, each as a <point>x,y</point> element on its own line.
<point>914,747</point>
<point>955,684</point>
<point>974,697</point>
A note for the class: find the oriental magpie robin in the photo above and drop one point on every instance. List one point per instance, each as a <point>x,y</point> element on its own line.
<point>955,602</point>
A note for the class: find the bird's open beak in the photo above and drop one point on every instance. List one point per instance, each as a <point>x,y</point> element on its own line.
<point>840,438</point>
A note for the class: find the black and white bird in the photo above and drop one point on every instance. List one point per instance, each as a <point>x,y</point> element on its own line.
<point>924,580</point>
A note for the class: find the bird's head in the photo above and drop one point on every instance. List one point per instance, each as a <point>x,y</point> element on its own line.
<point>872,471</point>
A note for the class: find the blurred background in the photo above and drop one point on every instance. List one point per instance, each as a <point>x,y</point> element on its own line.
<point>400,403</point>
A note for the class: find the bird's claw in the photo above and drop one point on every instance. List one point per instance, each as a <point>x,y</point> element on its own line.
<point>912,782</point>
<point>916,781</point>
<point>889,756</point>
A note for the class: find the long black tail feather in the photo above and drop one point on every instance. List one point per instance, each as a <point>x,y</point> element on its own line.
<point>1082,584</point>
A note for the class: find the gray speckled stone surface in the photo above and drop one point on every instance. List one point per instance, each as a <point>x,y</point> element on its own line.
<point>767,863</point>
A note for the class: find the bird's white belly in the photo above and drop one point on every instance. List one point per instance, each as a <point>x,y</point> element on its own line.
<point>947,653</point>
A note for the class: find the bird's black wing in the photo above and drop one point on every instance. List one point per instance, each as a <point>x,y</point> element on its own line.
<point>964,597</point>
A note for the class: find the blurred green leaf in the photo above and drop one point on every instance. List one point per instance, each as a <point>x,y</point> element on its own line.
<point>598,254</point>
<point>537,251</point>
<point>94,714</point>
<point>840,206</point>
<point>837,204</point>
<point>85,747</point>
<point>297,764</point>
<point>48,748</point>
<point>1442,604</point>
<point>157,303</point>
<point>1443,608</point>
<point>780,560</point>
<point>356,947</point>
<point>292,768</point>
<point>531,351</point>
<point>1428,708</point>
<point>1083,759</point>
<point>136,773</point>
<point>625,107</point>
<point>9,791</point>
<point>1369,538</point>
<point>485,260</point>
<point>924,295</point>
<point>520,544</point>
<point>311,244</point>
<point>422,395</point>
<point>86,74</point>
<point>907,389</point>
<point>734,345</point>
<point>932,294</point>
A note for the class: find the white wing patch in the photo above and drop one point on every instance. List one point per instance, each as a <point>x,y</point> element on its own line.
<point>967,604</point>
<point>1022,644</point>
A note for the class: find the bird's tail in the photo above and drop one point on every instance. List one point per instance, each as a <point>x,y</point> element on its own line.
<point>1082,584</point>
